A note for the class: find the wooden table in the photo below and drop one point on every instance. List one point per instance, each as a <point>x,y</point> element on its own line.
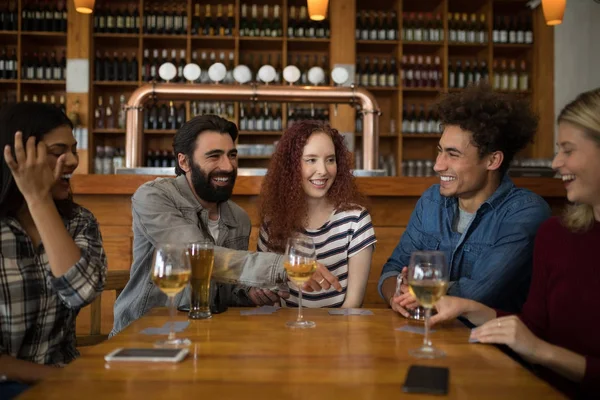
<point>247,357</point>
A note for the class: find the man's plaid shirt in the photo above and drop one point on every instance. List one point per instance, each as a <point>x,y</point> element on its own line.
<point>38,310</point>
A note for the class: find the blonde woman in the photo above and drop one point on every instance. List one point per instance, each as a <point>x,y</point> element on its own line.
<point>557,330</point>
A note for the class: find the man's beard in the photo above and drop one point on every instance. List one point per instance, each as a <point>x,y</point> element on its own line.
<point>205,189</point>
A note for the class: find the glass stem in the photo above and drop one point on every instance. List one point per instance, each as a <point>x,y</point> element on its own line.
<point>426,342</point>
<point>300,316</point>
<point>172,317</point>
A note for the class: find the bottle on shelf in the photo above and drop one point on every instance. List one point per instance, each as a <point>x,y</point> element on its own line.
<point>99,115</point>
<point>9,16</point>
<point>8,64</point>
<point>523,77</point>
<point>462,73</point>
<point>49,17</point>
<point>420,71</point>
<point>161,18</point>
<point>42,67</point>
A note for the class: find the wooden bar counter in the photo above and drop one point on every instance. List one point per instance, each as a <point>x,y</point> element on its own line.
<point>257,357</point>
<point>391,201</point>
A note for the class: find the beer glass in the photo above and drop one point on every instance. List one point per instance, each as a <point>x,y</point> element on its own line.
<point>202,258</point>
<point>171,274</point>
<point>427,281</point>
<point>300,264</point>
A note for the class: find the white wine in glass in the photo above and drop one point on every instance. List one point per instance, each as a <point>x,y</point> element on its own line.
<point>171,273</point>
<point>300,264</point>
<point>428,282</point>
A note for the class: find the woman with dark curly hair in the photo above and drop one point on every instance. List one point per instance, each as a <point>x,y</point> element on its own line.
<point>310,188</point>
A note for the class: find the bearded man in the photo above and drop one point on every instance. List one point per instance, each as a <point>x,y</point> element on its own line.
<point>195,206</point>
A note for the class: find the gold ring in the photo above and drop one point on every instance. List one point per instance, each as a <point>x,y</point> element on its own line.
<point>321,281</point>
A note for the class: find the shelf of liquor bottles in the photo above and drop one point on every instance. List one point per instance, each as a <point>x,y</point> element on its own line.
<point>410,53</point>
<point>273,32</point>
<point>407,53</point>
<point>33,43</point>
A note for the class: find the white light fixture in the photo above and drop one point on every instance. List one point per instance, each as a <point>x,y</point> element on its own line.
<point>167,71</point>
<point>191,72</point>
<point>317,9</point>
<point>242,74</point>
<point>216,72</point>
<point>339,75</point>
<point>316,75</point>
<point>291,74</point>
<point>267,73</point>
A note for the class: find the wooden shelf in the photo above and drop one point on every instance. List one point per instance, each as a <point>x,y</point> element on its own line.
<point>316,40</point>
<point>116,83</point>
<point>421,135</point>
<point>270,133</point>
<point>7,81</point>
<point>117,35</point>
<point>390,42</point>
<point>381,88</point>
<point>260,39</point>
<point>423,89</point>
<point>109,131</point>
<point>460,44</point>
<point>415,43</point>
<point>42,82</point>
<point>163,36</point>
<point>47,34</point>
<point>226,38</point>
<point>513,45</point>
<point>9,33</point>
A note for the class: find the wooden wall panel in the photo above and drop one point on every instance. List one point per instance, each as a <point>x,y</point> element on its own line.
<point>543,87</point>
<point>342,50</point>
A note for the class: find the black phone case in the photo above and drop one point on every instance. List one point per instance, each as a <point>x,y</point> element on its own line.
<point>423,379</point>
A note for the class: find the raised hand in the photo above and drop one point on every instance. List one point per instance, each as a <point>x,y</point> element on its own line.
<point>30,168</point>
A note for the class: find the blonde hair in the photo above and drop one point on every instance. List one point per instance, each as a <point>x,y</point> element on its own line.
<point>583,112</point>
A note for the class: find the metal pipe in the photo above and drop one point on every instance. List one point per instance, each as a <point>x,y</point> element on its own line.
<point>289,94</point>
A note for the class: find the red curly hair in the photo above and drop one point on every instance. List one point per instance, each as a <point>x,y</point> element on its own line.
<point>283,201</point>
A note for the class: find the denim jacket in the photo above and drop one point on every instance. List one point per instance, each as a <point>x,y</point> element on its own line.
<point>166,211</point>
<point>491,261</point>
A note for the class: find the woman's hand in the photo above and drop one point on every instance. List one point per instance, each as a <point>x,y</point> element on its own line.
<point>30,168</point>
<point>449,308</point>
<point>512,332</point>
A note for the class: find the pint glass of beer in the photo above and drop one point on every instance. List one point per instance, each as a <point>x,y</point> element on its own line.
<point>202,258</point>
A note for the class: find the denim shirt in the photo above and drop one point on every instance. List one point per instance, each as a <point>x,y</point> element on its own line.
<point>166,211</point>
<point>491,261</point>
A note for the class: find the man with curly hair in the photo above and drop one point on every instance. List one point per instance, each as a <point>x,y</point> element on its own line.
<point>196,206</point>
<point>483,223</point>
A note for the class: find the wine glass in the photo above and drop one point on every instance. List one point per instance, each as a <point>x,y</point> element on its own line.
<point>427,281</point>
<point>300,264</point>
<point>171,273</point>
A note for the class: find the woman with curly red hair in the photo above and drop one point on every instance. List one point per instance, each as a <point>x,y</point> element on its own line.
<point>309,188</point>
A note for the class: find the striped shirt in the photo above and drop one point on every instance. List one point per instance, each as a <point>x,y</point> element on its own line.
<point>346,234</point>
<point>37,309</point>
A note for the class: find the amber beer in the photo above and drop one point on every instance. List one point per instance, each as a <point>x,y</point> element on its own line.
<point>202,259</point>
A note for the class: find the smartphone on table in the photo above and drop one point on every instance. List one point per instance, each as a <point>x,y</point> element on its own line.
<point>147,355</point>
<point>424,379</point>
